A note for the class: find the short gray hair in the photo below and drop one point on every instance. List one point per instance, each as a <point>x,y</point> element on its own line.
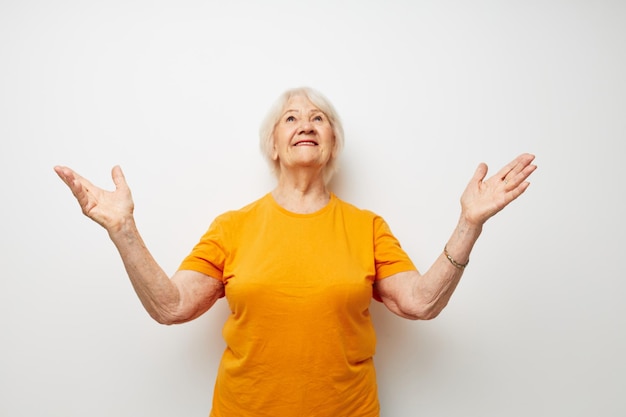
<point>266,132</point>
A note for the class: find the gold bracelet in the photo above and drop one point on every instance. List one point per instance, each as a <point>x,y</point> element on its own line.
<point>452,261</point>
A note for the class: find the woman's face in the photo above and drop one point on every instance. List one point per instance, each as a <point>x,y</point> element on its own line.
<point>303,136</point>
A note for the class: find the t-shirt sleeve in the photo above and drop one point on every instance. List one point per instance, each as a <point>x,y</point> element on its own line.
<point>389,256</point>
<point>209,254</point>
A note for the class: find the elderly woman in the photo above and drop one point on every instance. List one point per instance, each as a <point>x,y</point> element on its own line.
<point>299,268</point>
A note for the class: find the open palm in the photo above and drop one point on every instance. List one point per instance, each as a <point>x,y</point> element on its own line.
<point>107,208</point>
<point>484,198</point>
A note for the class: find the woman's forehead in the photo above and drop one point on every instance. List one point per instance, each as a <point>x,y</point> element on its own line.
<point>300,103</point>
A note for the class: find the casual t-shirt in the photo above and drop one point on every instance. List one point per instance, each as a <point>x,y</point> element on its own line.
<point>300,340</point>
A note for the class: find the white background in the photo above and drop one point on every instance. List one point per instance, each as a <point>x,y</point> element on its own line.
<point>174,92</point>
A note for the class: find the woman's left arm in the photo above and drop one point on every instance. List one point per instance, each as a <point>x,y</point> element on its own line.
<point>422,297</point>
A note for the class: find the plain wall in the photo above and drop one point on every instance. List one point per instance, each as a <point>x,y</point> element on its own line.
<point>174,92</point>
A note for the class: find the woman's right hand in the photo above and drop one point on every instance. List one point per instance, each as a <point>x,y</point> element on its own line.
<point>110,209</point>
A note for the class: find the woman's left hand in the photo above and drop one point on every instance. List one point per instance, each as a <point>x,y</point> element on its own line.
<point>484,198</point>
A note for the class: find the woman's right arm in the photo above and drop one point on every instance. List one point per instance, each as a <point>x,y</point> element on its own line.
<point>185,296</point>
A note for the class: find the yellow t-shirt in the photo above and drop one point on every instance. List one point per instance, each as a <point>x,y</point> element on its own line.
<point>299,338</point>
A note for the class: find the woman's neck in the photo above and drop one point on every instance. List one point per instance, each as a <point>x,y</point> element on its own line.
<point>301,195</point>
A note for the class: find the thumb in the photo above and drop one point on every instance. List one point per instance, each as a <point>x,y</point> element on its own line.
<point>118,177</point>
<point>480,173</point>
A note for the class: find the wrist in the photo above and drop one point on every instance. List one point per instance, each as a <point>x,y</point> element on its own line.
<point>123,227</point>
<point>469,227</point>
<point>456,264</point>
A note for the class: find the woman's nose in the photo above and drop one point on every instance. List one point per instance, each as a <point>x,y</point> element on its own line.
<point>305,127</point>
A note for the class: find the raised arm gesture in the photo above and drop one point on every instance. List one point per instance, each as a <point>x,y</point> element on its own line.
<point>412,295</point>
<point>184,297</point>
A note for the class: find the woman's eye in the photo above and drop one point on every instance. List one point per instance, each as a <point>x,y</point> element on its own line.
<point>290,119</point>
<point>318,118</point>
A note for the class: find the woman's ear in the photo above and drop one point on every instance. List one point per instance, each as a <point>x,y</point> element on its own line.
<point>274,150</point>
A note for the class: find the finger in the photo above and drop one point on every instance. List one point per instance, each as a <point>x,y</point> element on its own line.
<point>510,171</point>
<point>65,174</point>
<point>70,178</point>
<point>516,192</point>
<point>523,161</point>
<point>505,170</point>
<point>524,173</point>
<point>520,174</point>
<point>118,177</point>
<point>480,173</point>
<point>78,185</point>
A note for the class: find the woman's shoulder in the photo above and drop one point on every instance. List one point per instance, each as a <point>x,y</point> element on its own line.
<point>245,211</point>
<point>353,209</point>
